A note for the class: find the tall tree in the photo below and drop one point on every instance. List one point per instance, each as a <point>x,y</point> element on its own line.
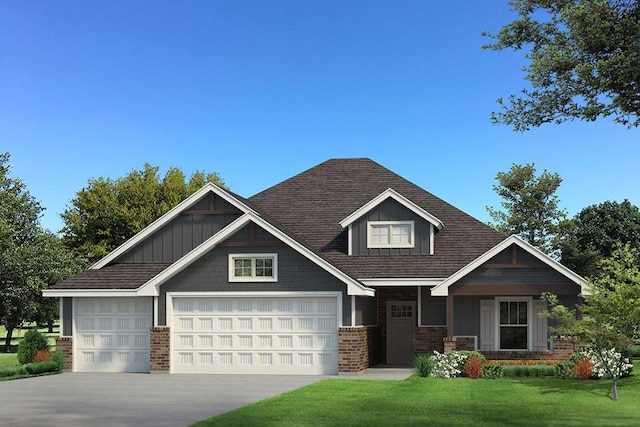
<point>595,232</point>
<point>530,205</point>
<point>108,211</point>
<point>583,61</point>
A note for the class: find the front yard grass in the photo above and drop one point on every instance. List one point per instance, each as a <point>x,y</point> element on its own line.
<point>446,402</point>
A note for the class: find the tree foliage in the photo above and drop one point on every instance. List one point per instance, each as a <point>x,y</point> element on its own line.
<point>31,259</point>
<point>530,205</point>
<point>611,313</point>
<point>595,232</point>
<point>583,61</point>
<point>107,212</point>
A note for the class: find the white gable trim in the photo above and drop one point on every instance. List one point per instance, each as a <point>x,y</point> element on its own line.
<point>391,193</point>
<point>151,288</point>
<point>403,281</point>
<point>166,218</point>
<point>443,288</point>
<point>89,293</point>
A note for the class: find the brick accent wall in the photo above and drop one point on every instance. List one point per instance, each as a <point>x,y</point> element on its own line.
<point>562,350</point>
<point>358,348</point>
<point>160,338</point>
<point>64,345</point>
<point>429,338</point>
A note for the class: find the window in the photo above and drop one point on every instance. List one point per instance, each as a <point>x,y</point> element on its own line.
<point>389,234</point>
<point>514,324</point>
<point>253,267</point>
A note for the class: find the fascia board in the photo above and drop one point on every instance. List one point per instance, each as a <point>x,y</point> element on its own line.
<point>53,293</point>
<point>391,193</point>
<point>166,218</point>
<point>412,282</point>
<point>443,288</point>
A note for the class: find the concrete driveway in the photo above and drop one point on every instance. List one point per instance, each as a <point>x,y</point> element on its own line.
<point>83,399</point>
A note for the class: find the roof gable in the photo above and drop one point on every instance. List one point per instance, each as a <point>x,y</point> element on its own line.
<point>390,193</point>
<point>443,288</point>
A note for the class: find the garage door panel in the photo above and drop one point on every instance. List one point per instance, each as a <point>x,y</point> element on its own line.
<point>292,335</point>
<point>112,334</point>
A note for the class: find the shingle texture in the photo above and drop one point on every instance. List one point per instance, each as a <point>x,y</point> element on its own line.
<point>114,276</point>
<point>311,205</point>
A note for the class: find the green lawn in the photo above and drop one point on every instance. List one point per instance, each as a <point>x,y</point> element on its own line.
<point>454,402</point>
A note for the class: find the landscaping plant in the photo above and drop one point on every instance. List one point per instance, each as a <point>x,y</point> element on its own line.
<point>34,344</point>
<point>423,365</point>
<point>492,371</point>
<point>564,370</point>
<point>583,369</point>
<point>473,367</point>
<point>448,365</point>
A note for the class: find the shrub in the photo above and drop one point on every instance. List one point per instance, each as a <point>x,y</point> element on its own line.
<point>492,371</point>
<point>634,351</point>
<point>528,371</point>
<point>447,365</point>
<point>473,367</point>
<point>473,354</point>
<point>422,365</point>
<point>608,362</point>
<point>41,367</point>
<point>564,370</point>
<point>41,355</point>
<point>58,359</point>
<point>12,372</point>
<point>30,344</point>
<point>583,369</point>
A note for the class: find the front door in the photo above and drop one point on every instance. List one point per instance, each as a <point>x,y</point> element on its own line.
<point>401,323</point>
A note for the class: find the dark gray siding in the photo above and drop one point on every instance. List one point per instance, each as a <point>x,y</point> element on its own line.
<point>366,311</point>
<point>466,312</point>
<point>295,273</point>
<point>67,317</point>
<point>185,232</point>
<point>390,210</point>
<point>433,309</point>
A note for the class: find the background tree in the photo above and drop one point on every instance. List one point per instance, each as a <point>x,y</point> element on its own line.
<point>107,212</point>
<point>611,314</point>
<point>583,61</point>
<point>530,205</point>
<point>30,258</point>
<point>595,232</point>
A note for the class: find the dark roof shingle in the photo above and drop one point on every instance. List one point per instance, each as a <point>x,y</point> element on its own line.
<point>113,276</point>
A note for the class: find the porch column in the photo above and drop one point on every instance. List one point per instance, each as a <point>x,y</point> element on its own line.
<point>449,315</point>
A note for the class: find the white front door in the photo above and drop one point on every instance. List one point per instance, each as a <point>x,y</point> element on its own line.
<point>111,334</point>
<point>267,335</point>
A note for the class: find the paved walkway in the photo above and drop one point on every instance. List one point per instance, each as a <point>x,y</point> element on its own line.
<point>380,373</point>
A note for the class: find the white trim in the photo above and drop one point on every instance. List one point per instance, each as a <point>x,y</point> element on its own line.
<point>529,301</point>
<point>353,310</point>
<point>89,293</point>
<point>61,314</point>
<point>151,287</point>
<point>443,288</point>
<point>391,193</point>
<point>419,305</point>
<point>389,225</point>
<point>164,219</point>
<point>350,240</point>
<point>253,277</point>
<point>432,235</point>
<point>403,281</point>
<point>155,311</point>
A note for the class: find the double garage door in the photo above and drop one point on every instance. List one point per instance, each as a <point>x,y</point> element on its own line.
<point>274,335</point>
<point>215,335</point>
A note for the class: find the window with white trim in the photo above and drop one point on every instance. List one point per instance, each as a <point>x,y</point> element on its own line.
<point>390,234</point>
<point>513,324</point>
<point>253,267</point>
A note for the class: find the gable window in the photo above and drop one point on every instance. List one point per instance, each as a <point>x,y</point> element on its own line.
<point>253,267</point>
<point>390,234</point>
<point>513,324</point>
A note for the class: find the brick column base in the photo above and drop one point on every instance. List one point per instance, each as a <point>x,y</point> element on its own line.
<point>358,348</point>
<point>160,338</point>
<point>564,347</point>
<point>64,345</point>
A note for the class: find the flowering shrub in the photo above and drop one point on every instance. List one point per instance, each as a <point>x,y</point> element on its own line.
<point>447,365</point>
<point>608,363</point>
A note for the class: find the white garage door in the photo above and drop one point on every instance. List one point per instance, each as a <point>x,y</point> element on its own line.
<point>255,335</point>
<point>112,334</point>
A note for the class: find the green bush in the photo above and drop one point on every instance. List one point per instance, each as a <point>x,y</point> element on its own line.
<point>528,371</point>
<point>12,372</point>
<point>473,355</point>
<point>423,365</point>
<point>33,341</point>
<point>492,371</point>
<point>41,367</point>
<point>634,351</point>
<point>58,359</point>
<point>564,370</point>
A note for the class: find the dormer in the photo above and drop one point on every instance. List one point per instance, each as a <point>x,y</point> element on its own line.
<point>391,224</point>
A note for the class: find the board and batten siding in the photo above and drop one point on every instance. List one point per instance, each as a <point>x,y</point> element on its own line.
<point>366,311</point>
<point>295,274</point>
<point>186,231</point>
<point>433,310</point>
<point>390,210</point>
<point>466,312</point>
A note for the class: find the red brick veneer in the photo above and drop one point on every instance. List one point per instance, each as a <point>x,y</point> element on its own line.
<point>358,348</point>
<point>64,345</point>
<point>160,338</point>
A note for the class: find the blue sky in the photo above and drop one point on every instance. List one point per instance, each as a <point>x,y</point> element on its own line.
<point>259,91</point>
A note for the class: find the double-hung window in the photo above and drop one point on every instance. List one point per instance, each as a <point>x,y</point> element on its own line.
<point>390,234</point>
<point>253,267</point>
<point>513,324</point>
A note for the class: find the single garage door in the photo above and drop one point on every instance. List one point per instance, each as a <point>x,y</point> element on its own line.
<point>112,334</point>
<point>258,335</point>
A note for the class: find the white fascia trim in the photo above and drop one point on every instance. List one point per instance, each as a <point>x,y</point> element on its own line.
<point>443,288</point>
<point>403,282</point>
<point>60,293</point>
<point>390,192</point>
<point>151,287</point>
<point>167,217</point>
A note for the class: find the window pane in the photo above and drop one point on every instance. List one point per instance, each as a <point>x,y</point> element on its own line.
<point>242,267</point>
<point>513,337</point>
<point>522,313</point>
<point>504,313</point>
<point>401,234</point>
<point>513,313</point>
<point>264,267</point>
<point>380,234</point>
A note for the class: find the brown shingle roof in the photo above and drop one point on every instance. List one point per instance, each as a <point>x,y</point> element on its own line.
<point>114,276</point>
<point>311,204</point>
